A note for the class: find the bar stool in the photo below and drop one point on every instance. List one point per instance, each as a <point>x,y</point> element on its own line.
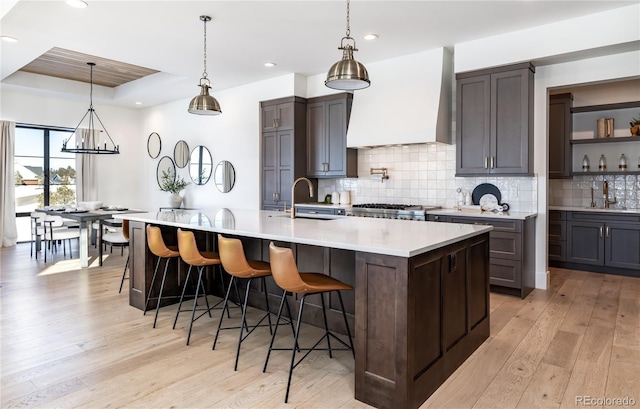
<point>236,264</point>
<point>190,254</point>
<point>162,251</point>
<point>286,275</point>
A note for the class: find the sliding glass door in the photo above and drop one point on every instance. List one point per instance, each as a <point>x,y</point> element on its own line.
<point>44,176</point>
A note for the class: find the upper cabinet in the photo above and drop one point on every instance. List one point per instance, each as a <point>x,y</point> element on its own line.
<point>280,116</point>
<point>327,123</point>
<point>560,127</point>
<point>494,121</point>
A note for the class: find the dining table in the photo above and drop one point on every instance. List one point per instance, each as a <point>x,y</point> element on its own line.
<point>85,218</point>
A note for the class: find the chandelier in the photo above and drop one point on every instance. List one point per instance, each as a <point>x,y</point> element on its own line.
<point>204,104</point>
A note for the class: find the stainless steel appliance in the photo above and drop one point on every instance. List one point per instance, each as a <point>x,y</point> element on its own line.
<point>390,211</point>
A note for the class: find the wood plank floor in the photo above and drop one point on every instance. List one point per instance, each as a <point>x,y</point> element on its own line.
<point>68,340</point>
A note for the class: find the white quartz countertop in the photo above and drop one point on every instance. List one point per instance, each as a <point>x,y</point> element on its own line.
<point>401,238</point>
<point>492,215</point>
<point>594,209</point>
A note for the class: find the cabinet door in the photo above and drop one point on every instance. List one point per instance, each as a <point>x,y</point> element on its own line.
<point>622,241</point>
<point>510,114</point>
<point>285,116</point>
<point>285,171</point>
<point>473,125</point>
<point>316,141</point>
<point>560,127</point>
<point>269,169</point>
<point>585,242</point>
<point>269,115</point>
<point>454,309</point>
<point>336,140</point>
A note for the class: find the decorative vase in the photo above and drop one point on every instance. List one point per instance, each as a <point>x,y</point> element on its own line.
<point>635,129</point>
<point>175,200</point>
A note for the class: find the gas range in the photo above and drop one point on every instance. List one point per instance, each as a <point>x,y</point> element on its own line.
<point>390,211</point>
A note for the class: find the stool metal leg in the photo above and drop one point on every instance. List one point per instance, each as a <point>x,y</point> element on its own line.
<point>326,325</point>
<point>182,297</point>
<point>346,324</point>
<point>243,323</point>
<point>124,273</point>
<point>193,311</point>
<point>164,277</point>
<point>293,349</point>
<point>225,307</point>
<point>153,280</point>
<point>273,336</point>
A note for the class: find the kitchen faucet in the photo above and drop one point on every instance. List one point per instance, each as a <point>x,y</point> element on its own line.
<point>605,192</point>
<point>293,200</point>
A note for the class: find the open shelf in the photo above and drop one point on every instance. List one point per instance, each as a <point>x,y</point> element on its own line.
<point>608,172</point>
<point>605,107</point>
<point>606,140</point>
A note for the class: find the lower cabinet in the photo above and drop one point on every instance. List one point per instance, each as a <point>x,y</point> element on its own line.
<point>557,235</point>
<point>604,240</point>
<point>511,251</point>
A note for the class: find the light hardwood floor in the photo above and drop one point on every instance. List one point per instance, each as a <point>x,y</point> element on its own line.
<point>70,340</point>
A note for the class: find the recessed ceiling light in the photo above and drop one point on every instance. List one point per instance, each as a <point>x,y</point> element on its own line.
<point>370,36</point>
<point>269,64</point>
<point>77,4</point>
<point>9,39</point>
<point>138,103</point>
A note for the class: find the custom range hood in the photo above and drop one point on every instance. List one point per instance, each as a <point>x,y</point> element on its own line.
<point>410,101</point>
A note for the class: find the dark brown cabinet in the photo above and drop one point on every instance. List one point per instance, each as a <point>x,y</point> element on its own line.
<point>283,151</point>
<point>560,128</point>
<point>511,251</point>
<point>604,240</point>
<point>327,123</point>
<point>557,235</point>
<point>494,121</point>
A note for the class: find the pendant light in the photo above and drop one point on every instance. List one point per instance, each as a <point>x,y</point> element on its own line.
<point>347,74</point>
<point>89,140</point>
<point>204,104</point>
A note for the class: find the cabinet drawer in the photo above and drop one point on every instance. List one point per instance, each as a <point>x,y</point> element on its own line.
<point>604,216</point>
<point>557,215</point>
<point>313,210</point>
<point>557,229</point>
<point>498,225</point>
<point>438,218</point>
<point>506,273</point>
<point>505,245</point>
<point>557,250</point>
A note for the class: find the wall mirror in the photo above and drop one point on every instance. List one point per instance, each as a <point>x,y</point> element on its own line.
<point>225,176</point>
<point>165,165</point>
<point>200,165</point>
<point>181,154</point>
<point>154,145</point>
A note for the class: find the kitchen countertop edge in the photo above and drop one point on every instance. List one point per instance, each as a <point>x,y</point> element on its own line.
<point>501,215</point>
<point>594,209</point>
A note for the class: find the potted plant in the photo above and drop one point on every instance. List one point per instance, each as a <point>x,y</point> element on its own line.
<point>173,185</point>
<point>635,126</point>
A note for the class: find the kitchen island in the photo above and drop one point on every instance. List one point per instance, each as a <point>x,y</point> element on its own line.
<point>421,302</point>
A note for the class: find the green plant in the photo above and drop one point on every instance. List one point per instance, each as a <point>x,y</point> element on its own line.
<point>170,184</point>
<point>635,121</point>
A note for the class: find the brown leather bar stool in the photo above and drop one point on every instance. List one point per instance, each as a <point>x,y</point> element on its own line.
<point>286,275</point>
<point>162,251</point>
<point>236,264</point>
<point>190,254</point>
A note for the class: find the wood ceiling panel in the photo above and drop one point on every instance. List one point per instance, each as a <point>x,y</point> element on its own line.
<point>71,65</point>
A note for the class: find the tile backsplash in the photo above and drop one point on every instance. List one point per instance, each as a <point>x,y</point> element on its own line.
<point>424,174</point>
<point>577,191</point>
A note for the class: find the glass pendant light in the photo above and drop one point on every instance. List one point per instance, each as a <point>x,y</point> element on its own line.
<point>204,104</point>
<point>88,139</point>
<point>347,74</point>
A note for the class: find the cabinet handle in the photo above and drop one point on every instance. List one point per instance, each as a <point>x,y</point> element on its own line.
<point>312,212</point>
<point>273,196</point>
<point>493,162</point>
<point>486,162</point>
<point>607,232</point>
<point>601,233</point>
<point>274,123</point>
<point>277,122</point>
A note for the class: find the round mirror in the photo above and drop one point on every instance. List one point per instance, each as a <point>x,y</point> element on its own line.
<point>154,145</point>
<point>225,176</point>
<point>181,154</point>
<point>200,165</point>
<point>166,170</point>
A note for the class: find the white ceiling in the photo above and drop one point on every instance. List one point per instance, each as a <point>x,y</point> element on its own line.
<point>299,36</point>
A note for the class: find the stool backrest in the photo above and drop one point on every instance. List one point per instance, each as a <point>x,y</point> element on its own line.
<point>154,241</point>
<point>188,248</point>
<point>125,228</point>
<point>232,255</point>
<point>284,270</point>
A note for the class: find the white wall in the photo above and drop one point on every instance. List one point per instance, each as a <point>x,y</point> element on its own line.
<point>120,177</point>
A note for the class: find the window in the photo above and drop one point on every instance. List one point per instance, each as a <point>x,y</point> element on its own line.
<point>44,176</point>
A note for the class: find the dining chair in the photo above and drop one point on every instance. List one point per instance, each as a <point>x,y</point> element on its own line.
<point>55,231</point>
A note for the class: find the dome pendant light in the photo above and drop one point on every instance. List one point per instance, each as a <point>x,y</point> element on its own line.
<point>204,104</point>
<point>88,139</point>
<point>347,74</point>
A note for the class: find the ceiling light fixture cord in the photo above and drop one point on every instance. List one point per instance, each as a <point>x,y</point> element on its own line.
<point>348,22</point>
<point>204,73</point>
